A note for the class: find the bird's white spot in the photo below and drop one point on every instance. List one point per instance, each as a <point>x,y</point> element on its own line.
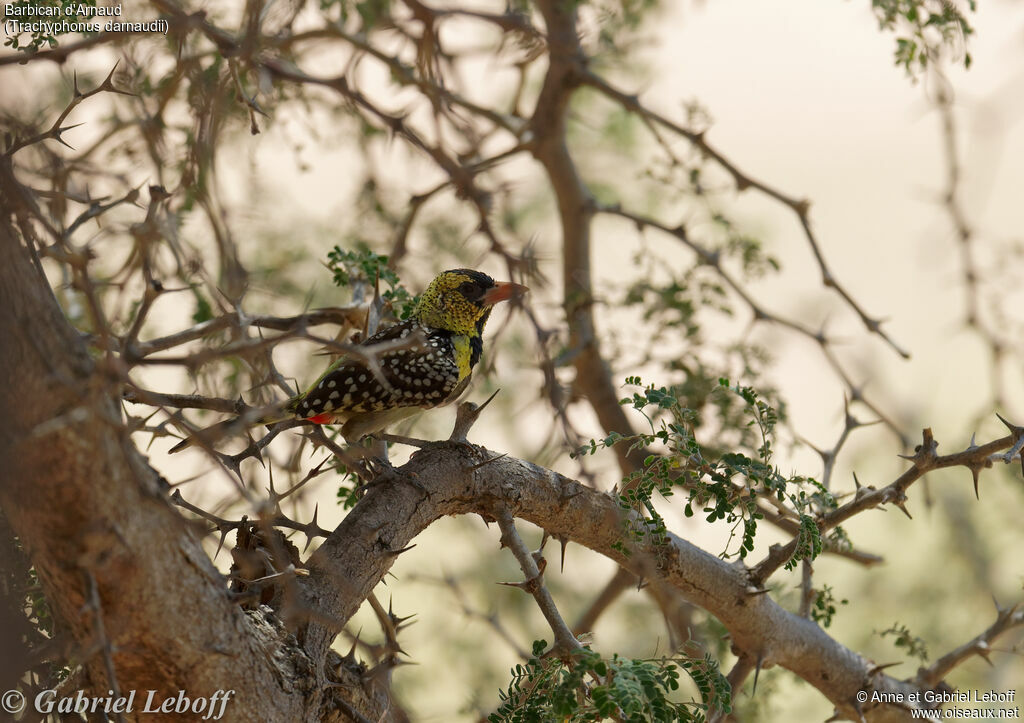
<point>362,377</point>
<point>334,395</point>
<point>331,384</point>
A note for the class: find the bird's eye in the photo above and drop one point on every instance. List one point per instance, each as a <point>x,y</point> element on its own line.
<point>471,290</point>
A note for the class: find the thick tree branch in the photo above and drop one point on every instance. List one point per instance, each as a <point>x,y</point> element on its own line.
<point>576,211</point>
<point>448,478</point>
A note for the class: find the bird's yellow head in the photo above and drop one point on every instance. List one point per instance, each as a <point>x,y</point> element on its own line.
<point>460,300</point>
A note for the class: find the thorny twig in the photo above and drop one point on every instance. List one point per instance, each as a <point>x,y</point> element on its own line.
<point>924,460</point>
<point>980,645</point>
<point>565,641</point>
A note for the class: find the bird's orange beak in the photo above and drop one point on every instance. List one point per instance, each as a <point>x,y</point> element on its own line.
<point>503,291</point>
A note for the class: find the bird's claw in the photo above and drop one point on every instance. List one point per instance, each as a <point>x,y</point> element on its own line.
<point>379,471</point>
<point>374,469</point>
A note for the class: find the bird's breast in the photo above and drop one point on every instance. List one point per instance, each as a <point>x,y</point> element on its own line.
<point>463,352</point>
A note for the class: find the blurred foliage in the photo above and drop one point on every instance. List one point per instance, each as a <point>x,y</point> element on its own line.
<point>911,645</point>
<point>824,608</point>
<point>360,269</point>
<point>29,627</point>
<point>924,30</point>
<point>369,12</point>
<point>44,24</point>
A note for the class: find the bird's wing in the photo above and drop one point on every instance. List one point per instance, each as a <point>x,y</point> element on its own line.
<point>414,375</point>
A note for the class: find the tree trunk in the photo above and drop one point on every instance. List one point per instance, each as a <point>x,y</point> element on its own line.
<point>127,580</point>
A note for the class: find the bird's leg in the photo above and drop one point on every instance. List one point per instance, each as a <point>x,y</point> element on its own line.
<point>377,470</point>
<point>373,459</point>
<point>373,466</point>
<point>379,452</point>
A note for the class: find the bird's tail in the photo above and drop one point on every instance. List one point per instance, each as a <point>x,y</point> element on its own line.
<point>210,436</point>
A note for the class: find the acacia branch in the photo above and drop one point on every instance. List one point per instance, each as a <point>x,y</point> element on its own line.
<point>61,53</point>
<point>565,641</point>
<point>448,478</point>
<point>980,645</point>
<point>974,458</point>
<point>353,316</point>
<point>760,314</point>
<point>55,131</point>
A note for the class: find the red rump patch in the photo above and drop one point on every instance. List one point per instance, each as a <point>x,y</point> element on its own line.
<point>322,418</point>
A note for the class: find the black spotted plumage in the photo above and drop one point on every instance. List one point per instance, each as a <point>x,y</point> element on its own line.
<point>424,376</point>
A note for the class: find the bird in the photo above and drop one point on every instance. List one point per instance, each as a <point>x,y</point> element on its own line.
<point>445,335</point>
